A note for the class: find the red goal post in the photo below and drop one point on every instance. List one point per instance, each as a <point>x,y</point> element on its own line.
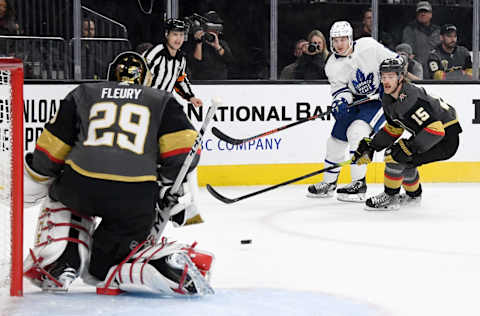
<point>11,174</point>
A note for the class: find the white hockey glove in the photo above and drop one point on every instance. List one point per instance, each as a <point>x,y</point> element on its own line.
<point>180,212</point>
<point>35,185</point>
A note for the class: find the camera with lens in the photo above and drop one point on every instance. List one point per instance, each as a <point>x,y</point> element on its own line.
<point>313,47</point>
<point>198,22</point>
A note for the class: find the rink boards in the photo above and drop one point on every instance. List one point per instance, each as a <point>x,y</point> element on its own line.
<point>251,109</point>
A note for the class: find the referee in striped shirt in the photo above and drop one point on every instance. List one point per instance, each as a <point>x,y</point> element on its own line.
<point>168,63</point>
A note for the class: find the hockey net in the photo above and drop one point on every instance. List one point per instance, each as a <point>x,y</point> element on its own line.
<point>11,175</point>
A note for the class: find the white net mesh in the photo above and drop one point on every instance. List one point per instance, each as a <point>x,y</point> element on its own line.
<point>5,177</point>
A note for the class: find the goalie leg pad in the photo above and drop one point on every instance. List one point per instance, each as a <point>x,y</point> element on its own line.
<point>61,247</point>
<point>165,268</point>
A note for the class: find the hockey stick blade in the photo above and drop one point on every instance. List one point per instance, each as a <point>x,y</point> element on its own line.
<point>237,141</point>
<point>220,197</point>
<point>227,200</point>
<point>219,134</point>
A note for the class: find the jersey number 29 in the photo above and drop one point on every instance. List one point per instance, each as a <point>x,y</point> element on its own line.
<point>123,116</point>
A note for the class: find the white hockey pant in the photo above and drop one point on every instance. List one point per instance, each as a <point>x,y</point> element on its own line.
<point>355,133</point>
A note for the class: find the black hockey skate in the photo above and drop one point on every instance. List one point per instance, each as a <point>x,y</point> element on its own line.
<point>409,201</point>
<point>353,192</point>
<point>321,190</point>
<point>61,283</point>
<point>383,202</point>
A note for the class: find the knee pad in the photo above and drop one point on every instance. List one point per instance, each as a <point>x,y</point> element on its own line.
<point>355,133</point>
<point>62,240</point>
<point>166,268</point>
<point>336,150</point>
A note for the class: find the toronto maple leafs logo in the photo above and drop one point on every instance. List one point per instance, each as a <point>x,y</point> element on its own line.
<point>363,84</point>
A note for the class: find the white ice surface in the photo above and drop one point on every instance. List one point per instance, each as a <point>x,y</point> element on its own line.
<point>310,257</point>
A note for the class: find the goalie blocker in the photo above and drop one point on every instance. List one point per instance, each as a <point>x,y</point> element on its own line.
<point>101,150</point>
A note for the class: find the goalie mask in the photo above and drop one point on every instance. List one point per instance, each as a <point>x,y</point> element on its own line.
<point>341,29</point>
<point>129,67</point>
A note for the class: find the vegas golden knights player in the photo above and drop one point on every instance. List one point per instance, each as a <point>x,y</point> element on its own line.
<point>433,125</point>
<point>98,157</point>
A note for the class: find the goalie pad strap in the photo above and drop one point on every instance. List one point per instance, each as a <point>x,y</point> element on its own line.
<point>50,224</point>
<point>60,209</point>
<point>119,266</point>
<point>36,269</point>
<point>50,240</point>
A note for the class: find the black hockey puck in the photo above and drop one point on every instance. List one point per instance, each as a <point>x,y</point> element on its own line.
<point>245,241</point>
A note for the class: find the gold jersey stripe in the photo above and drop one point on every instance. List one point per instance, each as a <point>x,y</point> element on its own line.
<point>450,123</point>
<point>108,176</point>
<point>177,140</point>
<point>54,146</point>
<point>393,131</point>
<point>437,127</point>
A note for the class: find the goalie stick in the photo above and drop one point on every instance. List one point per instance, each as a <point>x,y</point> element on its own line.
<point>216,101</point>
<point>227,200</point>
<point>238,141</point>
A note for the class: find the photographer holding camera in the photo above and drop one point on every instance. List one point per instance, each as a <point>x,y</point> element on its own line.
<point>311,64</point>
<point>211,55</point>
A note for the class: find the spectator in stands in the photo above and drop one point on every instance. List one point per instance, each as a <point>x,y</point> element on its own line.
<point>143,47</point>
<point>288,72</point>
<point>93,67</point>
<point>414,68</point>
<point>211,56</point>
<point>311,64</point>
<point>365,30</point>
<point>8,24</point>
<point>422,35</point>
<point>449,61</point>
<point>88,28</point>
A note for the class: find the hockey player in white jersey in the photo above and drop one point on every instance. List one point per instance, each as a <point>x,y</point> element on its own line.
<point>352,70</point>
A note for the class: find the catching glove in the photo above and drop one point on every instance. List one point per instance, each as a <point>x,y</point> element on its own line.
<point>340,108</point>
<point>364,153</point>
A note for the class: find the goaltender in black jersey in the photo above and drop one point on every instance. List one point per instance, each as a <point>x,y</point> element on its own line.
<point>98,157</point>
<point>434,129</point>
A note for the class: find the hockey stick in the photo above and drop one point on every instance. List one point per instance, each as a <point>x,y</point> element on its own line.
<point>238,141</point>
<point>191,154</point>
<point>227,200</point>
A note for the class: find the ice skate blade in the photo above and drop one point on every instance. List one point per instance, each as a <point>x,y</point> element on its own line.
<point>352,198</point>
<point>384,209</point>
<point>319,196</point>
